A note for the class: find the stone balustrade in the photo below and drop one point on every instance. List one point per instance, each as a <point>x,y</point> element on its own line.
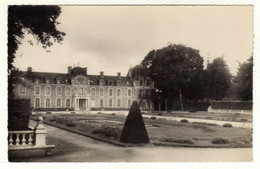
<point>30,139</point>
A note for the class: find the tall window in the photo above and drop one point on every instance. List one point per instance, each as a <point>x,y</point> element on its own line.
<point>110,102</point>
<point>141,82</point>
<point>147,104</point>
<point>58,81</point>
<point>101,92</point>
<point>101,82</point>
<point>147,82</point>
<point>118,83</point>
<point>37,102</point>
<point>48,102</point>
<point>110,92</point>
<point>129,92</point>
<point>22,90</point>
<point>47,81</point>
<point>48,90</point>
<point>118,92</point>
<point>110,83</point>
<point>93,91</point>
<point>58,91</point>
<point>58,102</point>
<point>67,90</point>
<point>101,102</point>
<point>129,103</point>
<point>67,103</point>
<point>118,103</point>
<point>37,89</point>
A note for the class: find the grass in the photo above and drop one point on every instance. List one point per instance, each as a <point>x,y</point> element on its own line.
<point>159,131</point>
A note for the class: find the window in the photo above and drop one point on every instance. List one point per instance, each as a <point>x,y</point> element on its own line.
<point>101,102</point>
<point>110,83</point>
<point>22,90</point>
<point>47,81</point>
<point>88,82</point>
<point>137,83</point>
<point>101,83</point>
<point>48,90</point>
<point>147,82</point>
<point>37,102</point>
<point>58,81</point>
<point>110,102</point>
<point>147,104</point>
<point>129,92</point>
<point>48,102</point>
<point>129,103</point>
<point>67,90</point>
<point>118,92</point>
<point>148,93</point>
<point>59,102</point>
<point>67,103</point>
<point>37,89</point>
<point>118,83</point>
<point>101,92</point>
<point>36,80</point>
<point>93,91</point>
<point>118,103</point>
<point>141,82</point>
<point>141,93</point>
<point>58,91</point>
<point>110,92</point>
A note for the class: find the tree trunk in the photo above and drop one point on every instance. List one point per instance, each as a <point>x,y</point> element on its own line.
<point>181,100</point>
<point>166,105</point>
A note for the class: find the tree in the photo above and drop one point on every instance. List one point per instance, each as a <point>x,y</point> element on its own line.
<point>40,21</point>
<point>219,79</point>
<point>244,80</point>
<point>175,70</point>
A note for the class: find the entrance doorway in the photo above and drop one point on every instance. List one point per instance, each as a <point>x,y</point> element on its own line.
<point>82,104</point>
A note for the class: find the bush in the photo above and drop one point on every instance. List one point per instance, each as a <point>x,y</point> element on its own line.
<point>242,105</point>
<point>184,121</point>
<point>208,117</point>
<point>153,118</point>
<point>180,141</point>
<point>99,112</point>
<point>160,114</point>
<point>19,112</point>
<point>237,114</point>
<point>52,109</point>
<point>220,140</point>
<point>113,114</point>
<point>72,112</point>
<point>109,131</point>
<point>48,112</point>
<point>243,120</point>
<point>227,125</point>
<point>70,124</point>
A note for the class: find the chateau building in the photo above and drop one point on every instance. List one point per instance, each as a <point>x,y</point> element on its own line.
<point>77,90</point>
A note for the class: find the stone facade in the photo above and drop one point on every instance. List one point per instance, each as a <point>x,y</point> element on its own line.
<point>76,90</point>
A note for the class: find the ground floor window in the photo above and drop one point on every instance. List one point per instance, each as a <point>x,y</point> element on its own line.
<point>110,102</point>
<point>129,103</point>
<point>101,103</point>
<point>67,103</point>
<point>58,102</point>
<point>118,103</point>
<point>48,102</point>
<point>37,102</point>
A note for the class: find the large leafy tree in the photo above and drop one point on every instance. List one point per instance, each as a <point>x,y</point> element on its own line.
<point>40,21</point>
<point>219,79</point>
<point>244,80</point>
<point>176,71</point>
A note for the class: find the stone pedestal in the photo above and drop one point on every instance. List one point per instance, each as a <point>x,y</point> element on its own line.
<point>40,133</point>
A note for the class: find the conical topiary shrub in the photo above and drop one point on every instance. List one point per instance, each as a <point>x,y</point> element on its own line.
<point>134,130</point>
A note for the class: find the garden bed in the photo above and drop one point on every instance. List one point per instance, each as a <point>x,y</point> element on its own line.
<point>108,128</point>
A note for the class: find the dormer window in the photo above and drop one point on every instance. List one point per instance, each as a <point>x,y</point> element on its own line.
<point>101,83</point>
<point>58,81</point>
<point>110,83</point>
<point>47,81</point>
<point>36,80</point>
<point>118,83</point>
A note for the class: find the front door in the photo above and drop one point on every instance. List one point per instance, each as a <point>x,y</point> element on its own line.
<point>82,104</point>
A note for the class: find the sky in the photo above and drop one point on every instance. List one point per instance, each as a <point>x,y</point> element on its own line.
<point>114,38</point>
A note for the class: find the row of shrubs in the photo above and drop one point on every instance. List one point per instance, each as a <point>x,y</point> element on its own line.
<point>218,140</point>
<point>109,131</point>
<point>241,105</point>
<point>53,109</point>
<point>109,109</point>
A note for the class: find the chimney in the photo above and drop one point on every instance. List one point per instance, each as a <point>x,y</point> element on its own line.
<point>29,69</point>
<point>86,70</point>
<point>118,74</point>
<point>101,73</point>
<point>69,69</point>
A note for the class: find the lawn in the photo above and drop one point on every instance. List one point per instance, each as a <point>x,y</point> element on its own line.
<point>236,117</point>
<point>161,132</point>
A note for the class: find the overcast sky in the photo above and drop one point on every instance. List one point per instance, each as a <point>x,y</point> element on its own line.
<point>113,38</point>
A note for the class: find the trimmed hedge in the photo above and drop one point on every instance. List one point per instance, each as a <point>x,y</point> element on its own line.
<point>19,112</point>
<point>191,106</point>
<point>242,105</point>
<point>109,109</point>
<point>52,109</point>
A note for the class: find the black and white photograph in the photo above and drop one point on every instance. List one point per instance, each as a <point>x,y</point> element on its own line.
<point>130,83</point>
